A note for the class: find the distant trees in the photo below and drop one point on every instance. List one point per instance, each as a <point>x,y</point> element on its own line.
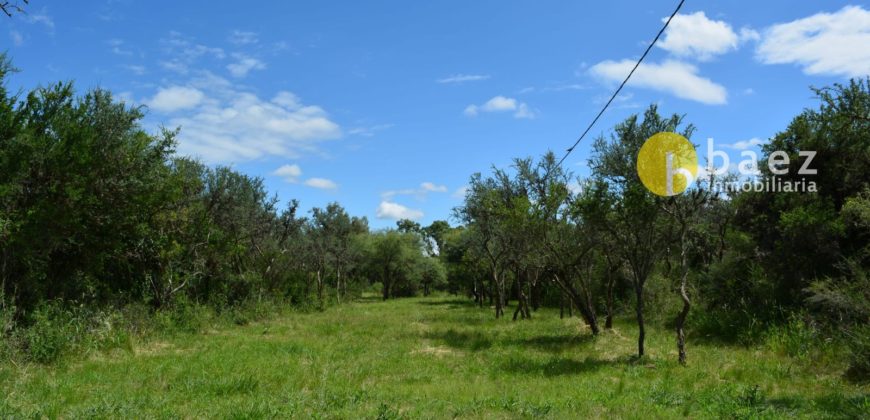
<point>95,210</point>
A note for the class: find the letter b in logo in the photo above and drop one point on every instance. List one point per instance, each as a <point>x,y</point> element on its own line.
<point>667,164</point>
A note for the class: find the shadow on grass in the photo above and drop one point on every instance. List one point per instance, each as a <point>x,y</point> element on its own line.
<point>469,341</point>
<point>557,366</point>
<point>552,343</point>
<point>464,303</point>
<point>369,298</point>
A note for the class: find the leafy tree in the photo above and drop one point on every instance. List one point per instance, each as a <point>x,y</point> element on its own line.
<point>634,219</point>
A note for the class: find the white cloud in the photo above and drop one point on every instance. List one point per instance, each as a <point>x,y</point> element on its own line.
<point>699,37</point>
<point>17,38</point>
<point>821,44</point>
<point>501,104</point>
<point>368,131</point>
<point>459,78</point>
<point>175,98</point>
<point>183,52</point>
<point>428,186</point>
<point>677,78</point>
<point>420,193</point>
<point>321,183</point>
<point>243,37</point>
<point>746,144</point>
<point>244,64</point>
<point>231,125</point>
<point>40,18</point>
<point>289,173</point>
<point>135,69</point>
<point>523,111</point>
<point>396,211</point>
<point>460,192</point>
<point>117,47</point>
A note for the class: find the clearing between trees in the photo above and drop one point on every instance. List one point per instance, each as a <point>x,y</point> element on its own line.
<point>436,357</point>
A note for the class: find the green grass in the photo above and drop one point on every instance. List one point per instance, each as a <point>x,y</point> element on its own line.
<point>428,358</point>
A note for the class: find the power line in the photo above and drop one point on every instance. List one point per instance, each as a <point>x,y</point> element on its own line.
<point>653,43</point>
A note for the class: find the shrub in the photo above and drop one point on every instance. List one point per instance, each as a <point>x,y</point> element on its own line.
<point>859,360</point>
<point>50,333</point>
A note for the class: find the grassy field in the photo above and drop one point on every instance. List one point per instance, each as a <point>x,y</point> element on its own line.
<point>427,358</point>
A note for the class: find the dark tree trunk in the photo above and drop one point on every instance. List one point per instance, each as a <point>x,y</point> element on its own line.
<point>320,288</point>
<point>687,304</point>
<point>582,301</point>
<point>535,293</point>
<point>681,321</point>
<point>608,321</point>
<point>641,334</point>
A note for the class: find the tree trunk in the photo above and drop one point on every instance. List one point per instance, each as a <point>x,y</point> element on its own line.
<point>583,304</point>
<point>641,334</point>
<point>608,321</point>
<point>681,320</point>
<point>499,294</point>
<point>338,285</point>
<point>687,304</point>
<point>320,289</point>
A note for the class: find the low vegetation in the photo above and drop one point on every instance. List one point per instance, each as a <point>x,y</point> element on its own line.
<point>435,357</point>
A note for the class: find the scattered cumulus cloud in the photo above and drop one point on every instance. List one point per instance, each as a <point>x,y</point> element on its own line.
<point>746,144</point>
<point>224,124</point>
<point>460,78</point>
<point>117,47</point>
<point>135,69</point>
<point>501,104</point>
<point>674,77</point>
<point>368,131</point>
<point>321,183</point>
<point>421,192</point>
<point>460,192</point>
<point>243,37</point>
<point>244,65</point>
<point>175,98</point>
<point>696,36</point>
<point>428,186</point>
<point>395,211</point>
<point>289,173</point>
<point>183,52</point>
<point>821,44</point>
<point>40,18</point>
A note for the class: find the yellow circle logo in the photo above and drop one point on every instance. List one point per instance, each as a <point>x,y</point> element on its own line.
<point>667,164</point>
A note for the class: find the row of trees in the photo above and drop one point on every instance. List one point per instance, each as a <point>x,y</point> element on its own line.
<point>95,210</point>
<point>533,231</point>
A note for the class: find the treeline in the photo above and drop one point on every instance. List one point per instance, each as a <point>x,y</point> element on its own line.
<point>103,224</point>
<point>97,213</point>
<point>735,263</point>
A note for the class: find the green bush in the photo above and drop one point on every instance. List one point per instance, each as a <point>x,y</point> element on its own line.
<point>184,315</point>
<point>859,360</point>
<point>797,338</point>
<point>50,335</point>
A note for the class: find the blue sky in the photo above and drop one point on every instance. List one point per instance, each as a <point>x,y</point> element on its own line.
<point>387,107</point>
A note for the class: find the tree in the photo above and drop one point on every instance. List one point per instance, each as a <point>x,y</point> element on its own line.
<point>684,211</point>
<point>634,220</point>
<point>392,257</point>
<point>432,274</point>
